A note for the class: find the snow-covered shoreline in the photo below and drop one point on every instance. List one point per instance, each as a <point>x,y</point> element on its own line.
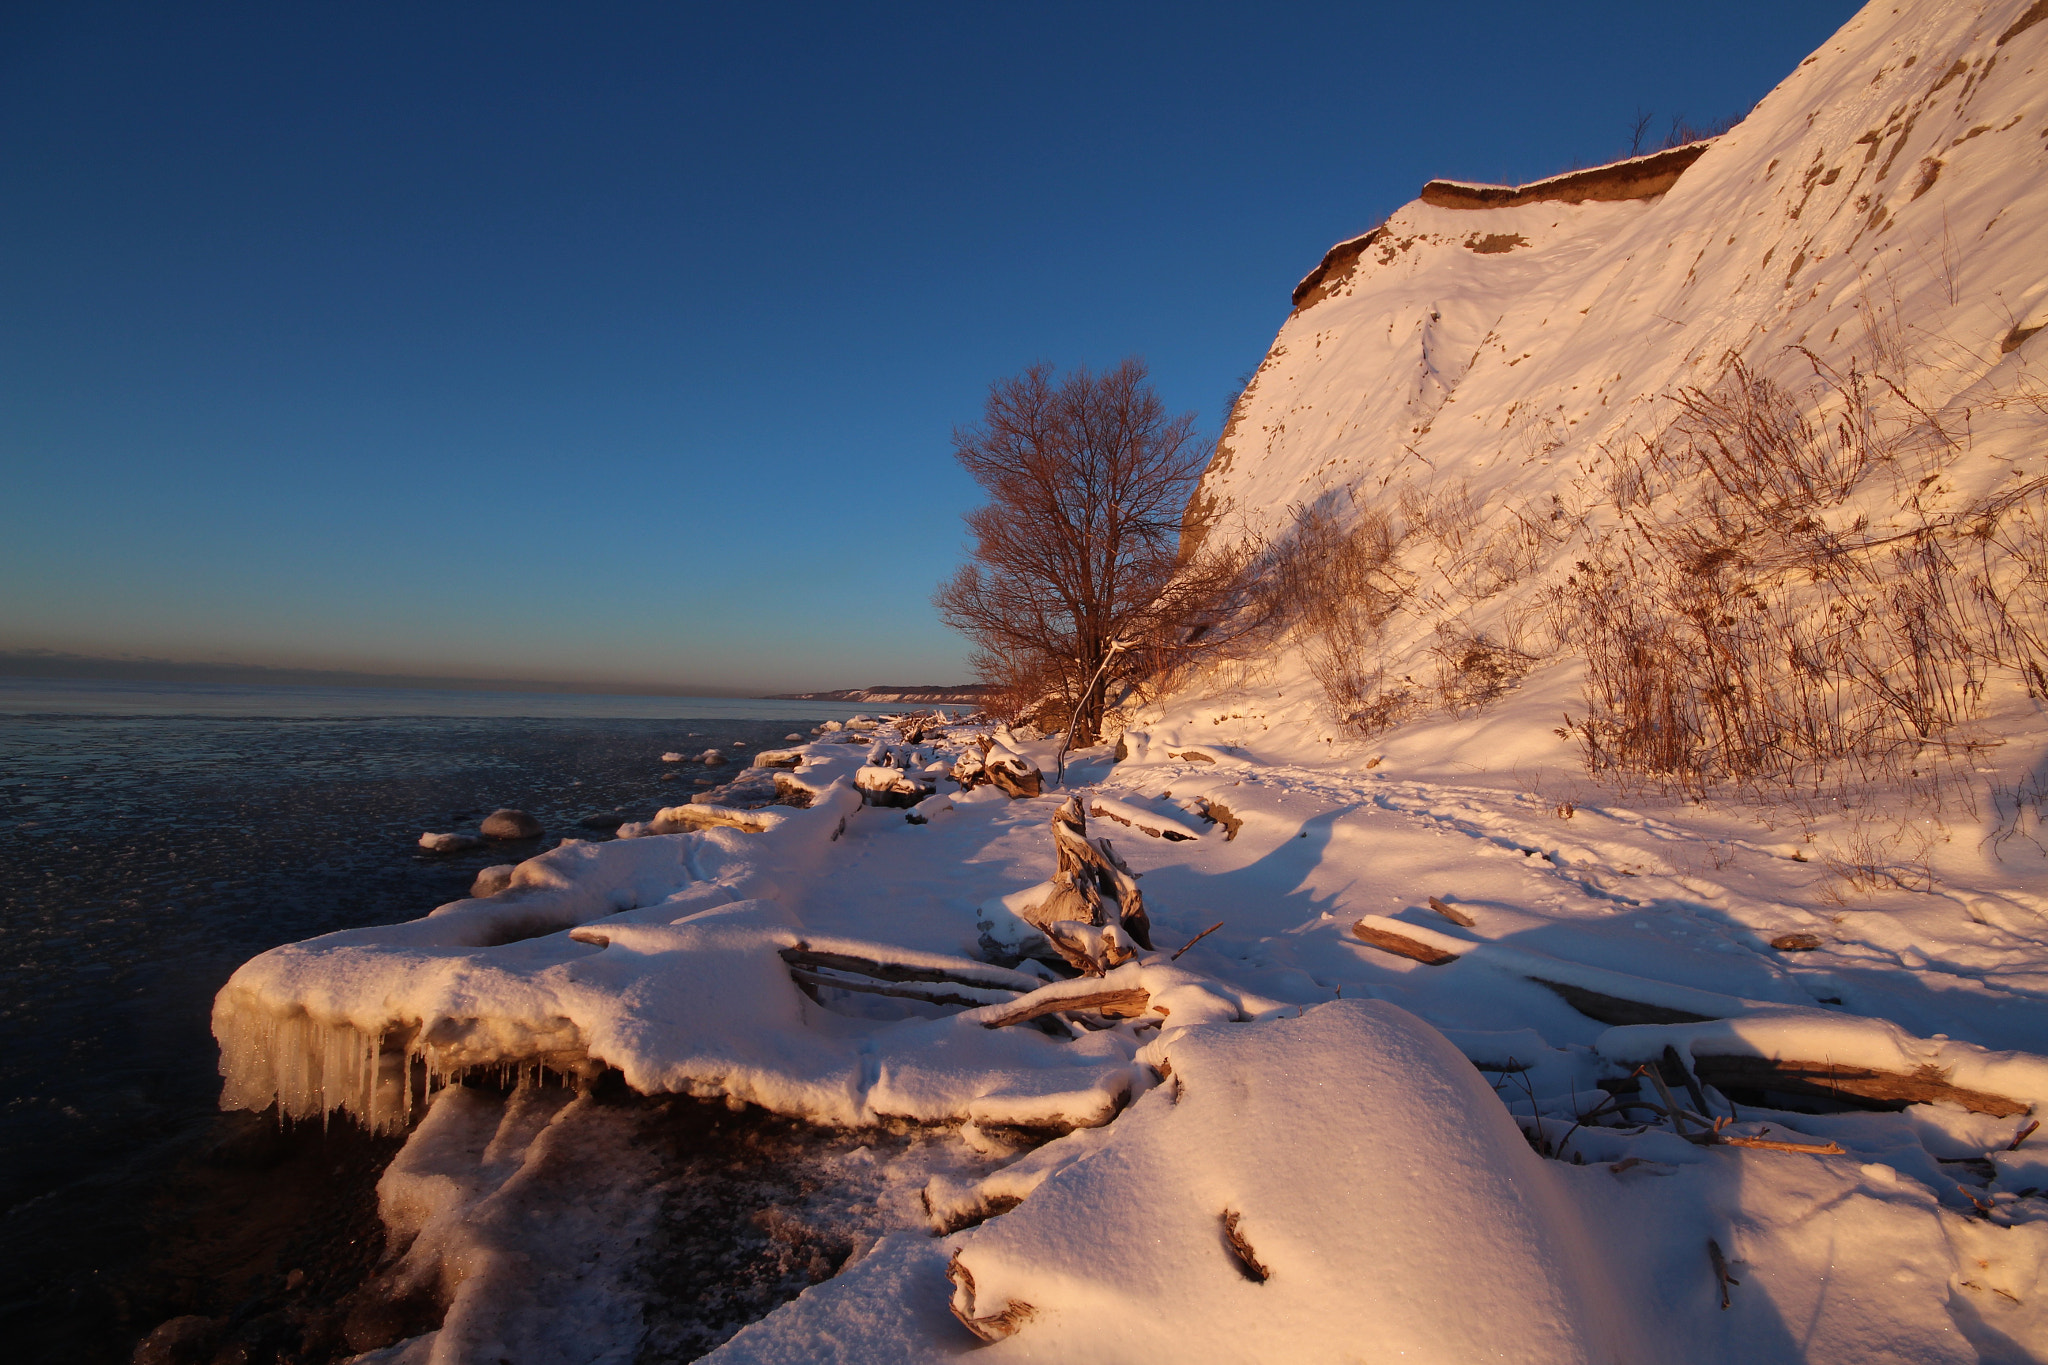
<point>1315,843</point>
<point>1347,1005</point>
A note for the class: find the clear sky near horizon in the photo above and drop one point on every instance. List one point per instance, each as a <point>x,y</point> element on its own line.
<point>623,343</point>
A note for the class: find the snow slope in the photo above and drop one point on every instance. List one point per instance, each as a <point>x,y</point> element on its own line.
<point>1535,1133</point>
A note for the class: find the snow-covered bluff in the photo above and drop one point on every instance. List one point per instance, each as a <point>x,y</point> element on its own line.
<point>1476,363</point>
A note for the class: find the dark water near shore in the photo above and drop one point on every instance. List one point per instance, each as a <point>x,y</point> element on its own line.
<point>145,856</point>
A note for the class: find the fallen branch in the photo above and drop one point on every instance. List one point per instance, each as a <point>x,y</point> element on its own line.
<point>1219,924</point>
<point>1451,913</point>
<point>1771,1145</point>
<point>1720,1264</point>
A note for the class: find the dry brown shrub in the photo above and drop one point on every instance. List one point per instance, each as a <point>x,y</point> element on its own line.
<point>1475,669</point>
<point>1334,579</point>
<point>1748,624</point>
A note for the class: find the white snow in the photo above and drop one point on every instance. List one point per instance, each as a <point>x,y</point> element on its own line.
<point>1374,1123</point>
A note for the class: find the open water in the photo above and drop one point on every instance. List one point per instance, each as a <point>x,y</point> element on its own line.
<point>154,837</point>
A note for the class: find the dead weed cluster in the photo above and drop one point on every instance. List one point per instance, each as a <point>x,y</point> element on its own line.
<point>1794,600</point>
<point>1344,571</point>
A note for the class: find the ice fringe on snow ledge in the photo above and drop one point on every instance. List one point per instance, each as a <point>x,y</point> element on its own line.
<point>665,957</point>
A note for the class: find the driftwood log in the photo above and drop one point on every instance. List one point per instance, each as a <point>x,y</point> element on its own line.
<point>1389,942</point>
<point>1608,1009</point>
<point>967,989</point>
<point>1857,1086</point>
<point>1094,864</point>
<point>892,787</point>
<point>1127,1003</point>
<point>1742,1078</point>
<point>1004,769</point>
<point>803,955</point>
<point>700,814</point>
<point>1612,1009</point>
<point>1014,775</point>
<point>1157,832</point>
<point>927,992</point>
<point>1094,915</point>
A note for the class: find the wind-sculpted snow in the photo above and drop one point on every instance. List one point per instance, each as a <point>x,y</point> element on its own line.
<point>1352,1155</point>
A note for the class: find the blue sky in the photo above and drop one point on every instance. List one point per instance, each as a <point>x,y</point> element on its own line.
<point>622,343</point>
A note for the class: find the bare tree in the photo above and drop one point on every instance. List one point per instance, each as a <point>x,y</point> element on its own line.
<point>1639,130</point>
<point>1075,584</point>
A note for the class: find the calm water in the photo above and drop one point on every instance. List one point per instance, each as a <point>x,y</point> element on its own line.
<point>149,849</point>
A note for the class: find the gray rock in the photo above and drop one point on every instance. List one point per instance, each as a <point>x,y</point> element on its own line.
<point>505,823</point>
<point>611,819</point>
<point>187,1340</point>
<point>449,843</point>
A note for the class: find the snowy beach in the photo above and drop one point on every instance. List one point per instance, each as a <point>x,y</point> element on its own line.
<point>1344,1072</point>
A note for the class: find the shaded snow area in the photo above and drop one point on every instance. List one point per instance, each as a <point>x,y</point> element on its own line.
<point>1301,1024</point>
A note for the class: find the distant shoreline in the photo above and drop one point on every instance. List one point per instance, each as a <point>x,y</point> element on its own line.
<point>57,697</point>
<point>893,694</point>
<point>51,667</point>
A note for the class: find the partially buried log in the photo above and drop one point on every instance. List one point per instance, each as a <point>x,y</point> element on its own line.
<point>1388,942</point>
<point>803,955</point>
<point>1612,1009</point>
<point>1857,1086</point>
<point>1125,1003</point>
<point>931,994</point>
<point>1014,775</point>
<point>890,786</point>
<point>700,815</point>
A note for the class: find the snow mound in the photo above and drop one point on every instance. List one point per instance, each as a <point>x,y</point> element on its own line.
<point>1264,1206</point>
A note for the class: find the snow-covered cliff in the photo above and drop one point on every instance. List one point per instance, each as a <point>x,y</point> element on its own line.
<point>1483,372</point>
